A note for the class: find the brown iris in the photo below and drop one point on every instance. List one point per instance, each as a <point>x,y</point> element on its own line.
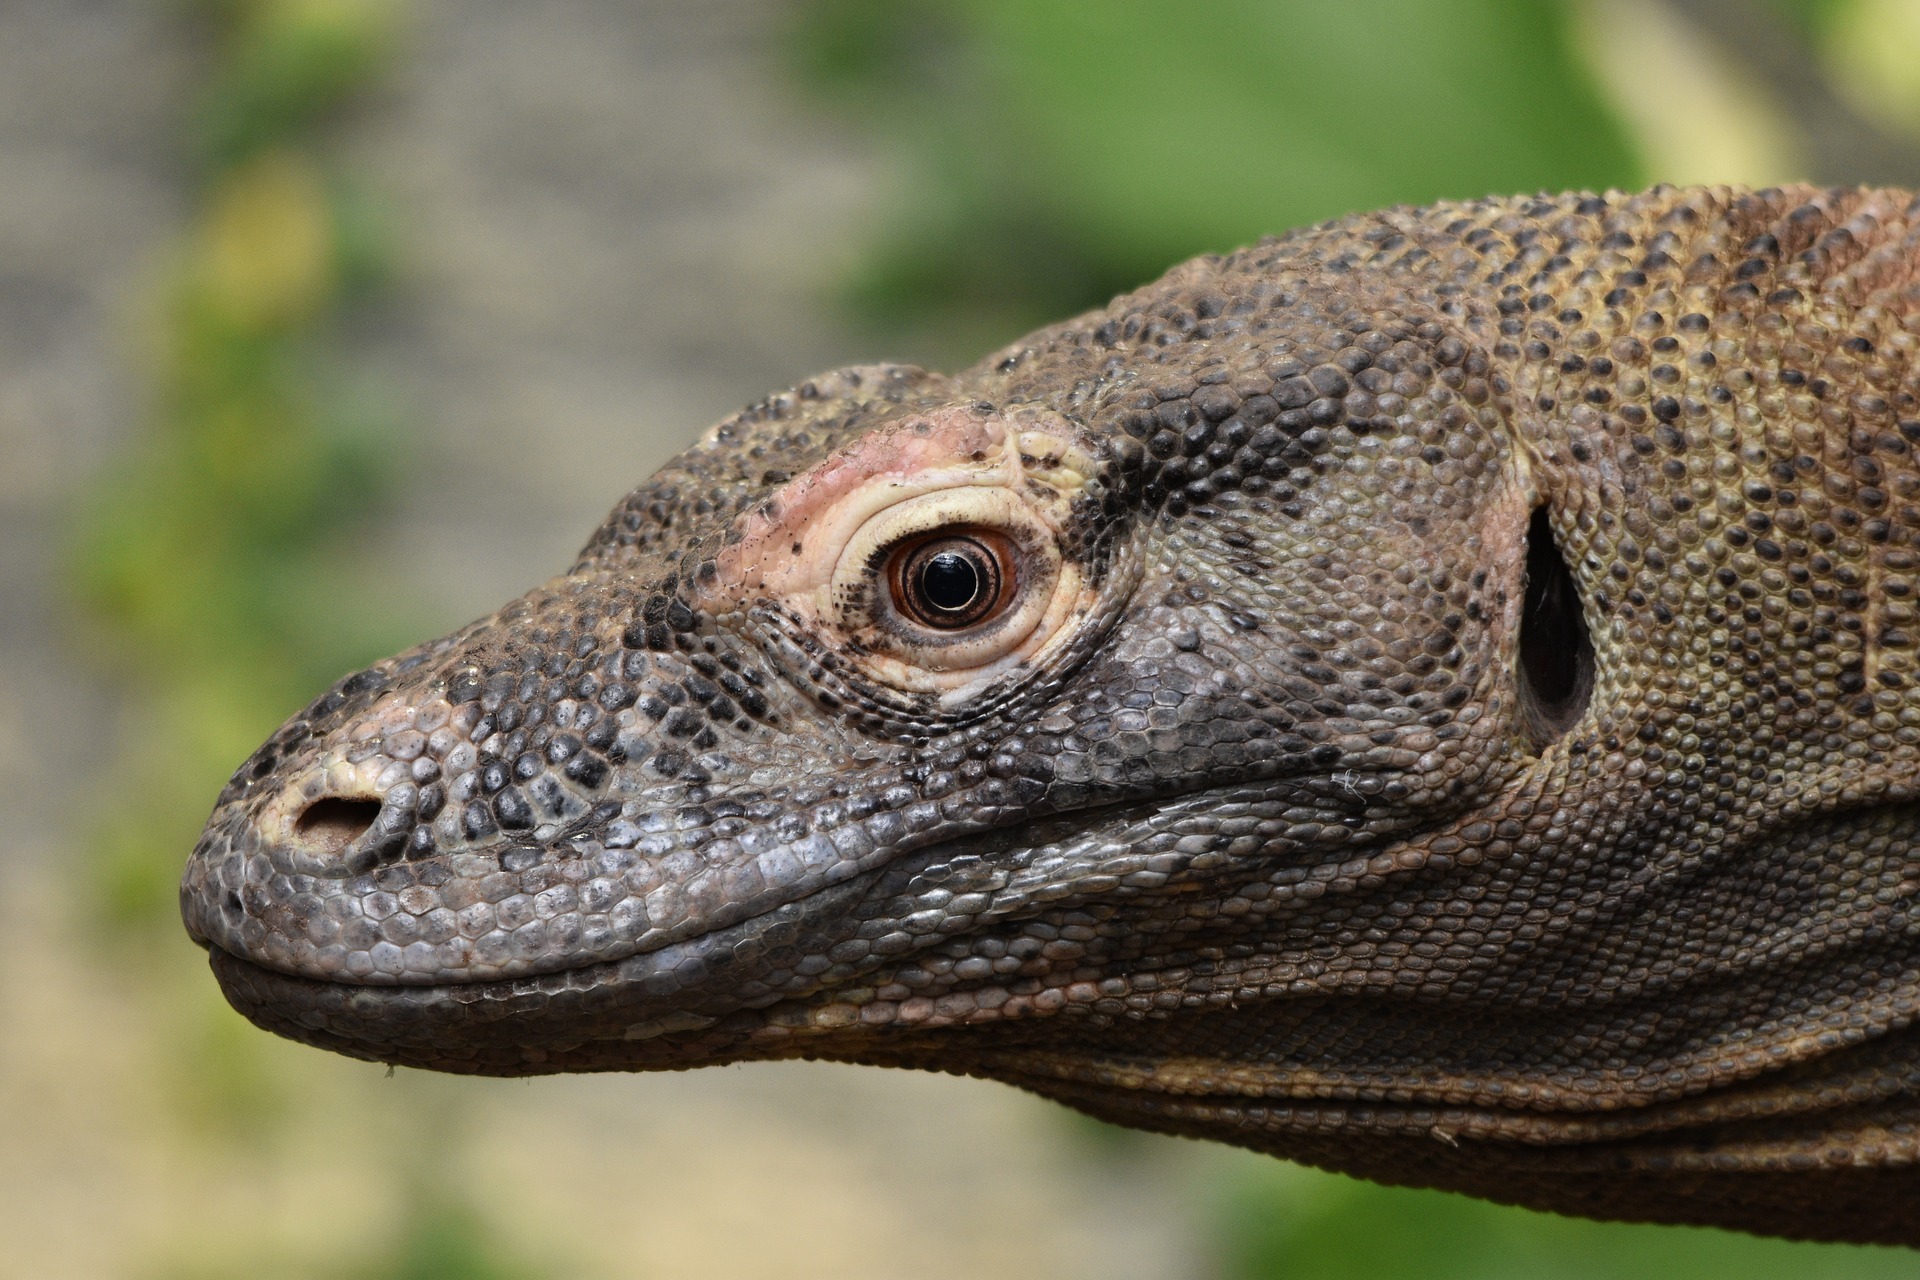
<point>953,580</point>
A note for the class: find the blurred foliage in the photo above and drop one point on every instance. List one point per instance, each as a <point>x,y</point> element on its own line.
<point>1057,152</point>
<point>437,1241</point>
<point>216,562</point>
<point>1813,18</point>
<point>288,66</point>
<point>1873,50</point>
<point>448,1242</point>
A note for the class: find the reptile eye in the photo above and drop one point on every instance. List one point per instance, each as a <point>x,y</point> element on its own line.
<point>944,589</point>
<point>953,581</point>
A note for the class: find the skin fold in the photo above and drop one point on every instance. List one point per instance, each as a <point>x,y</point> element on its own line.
<point>1430,695</point>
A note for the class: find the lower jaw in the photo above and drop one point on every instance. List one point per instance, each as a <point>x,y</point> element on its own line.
<point>561,1022</point>
<point>685,1004</point>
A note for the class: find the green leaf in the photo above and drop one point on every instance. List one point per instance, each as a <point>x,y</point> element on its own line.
<point>1063,150</point>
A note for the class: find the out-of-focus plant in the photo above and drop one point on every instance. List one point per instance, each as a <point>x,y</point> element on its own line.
<point>1872,48</point>
<point>447,1242</point>
<point>216,561</point>
<point>1812,17</point>
<point>212,559</point>
<point>1058,151</point>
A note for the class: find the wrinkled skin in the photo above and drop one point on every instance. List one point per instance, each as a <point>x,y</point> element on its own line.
<point>1283,803</point>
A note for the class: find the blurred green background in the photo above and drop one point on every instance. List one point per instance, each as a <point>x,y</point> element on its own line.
<point>326,324</point>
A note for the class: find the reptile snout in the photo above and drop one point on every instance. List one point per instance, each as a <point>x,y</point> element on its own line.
<point>414,831</point>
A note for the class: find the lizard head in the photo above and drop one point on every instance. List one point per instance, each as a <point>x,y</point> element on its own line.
<point>1430,695</point>
<point>902,702</point>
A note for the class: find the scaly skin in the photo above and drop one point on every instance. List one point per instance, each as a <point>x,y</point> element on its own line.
<point>1284,804</point>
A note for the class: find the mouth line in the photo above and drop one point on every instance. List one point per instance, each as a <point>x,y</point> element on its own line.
<point>607,974</point>
<point>415,992</point>
<point>683,987</point>
<point>670,970</point>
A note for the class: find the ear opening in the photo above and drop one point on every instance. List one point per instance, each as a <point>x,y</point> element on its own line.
<point>1556,653</point>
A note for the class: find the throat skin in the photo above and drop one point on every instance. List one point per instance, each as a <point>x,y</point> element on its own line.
<point>1445,711</point>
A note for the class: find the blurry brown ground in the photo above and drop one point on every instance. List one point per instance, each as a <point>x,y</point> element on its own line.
<point>618,229</point>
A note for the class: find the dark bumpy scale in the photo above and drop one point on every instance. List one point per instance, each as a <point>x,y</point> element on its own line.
<point>1449,713</point>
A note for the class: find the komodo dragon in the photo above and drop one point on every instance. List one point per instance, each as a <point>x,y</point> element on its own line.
<point>1433,696</point>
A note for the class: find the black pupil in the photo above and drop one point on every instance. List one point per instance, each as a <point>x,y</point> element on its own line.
<point>950,581</point>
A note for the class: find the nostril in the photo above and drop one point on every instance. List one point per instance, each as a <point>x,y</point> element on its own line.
<point>333,823</point>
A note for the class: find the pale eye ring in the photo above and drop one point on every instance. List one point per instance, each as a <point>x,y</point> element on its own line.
<point>952,581</point>
<point>948,582</point>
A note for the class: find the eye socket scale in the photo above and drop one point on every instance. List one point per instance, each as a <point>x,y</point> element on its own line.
<point>952,581</point>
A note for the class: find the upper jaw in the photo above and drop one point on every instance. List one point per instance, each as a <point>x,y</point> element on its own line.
<point>634,863</point>
<point>512,911</point>
<point>759,986</point>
